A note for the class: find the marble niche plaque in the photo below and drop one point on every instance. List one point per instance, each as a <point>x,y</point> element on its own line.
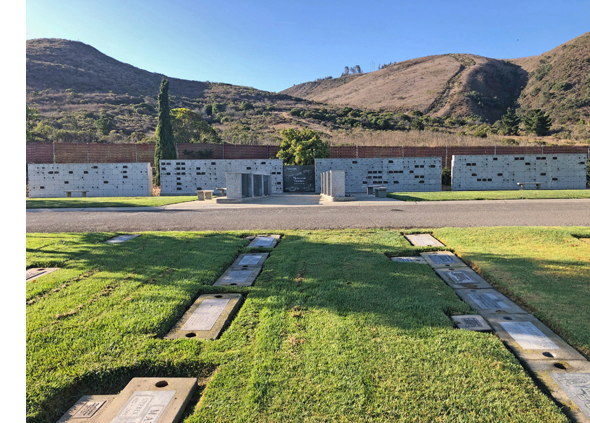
<point>438,259</point>
<point>207,317</point>
<point>462,278</point>
<point>121,238</point>
<point>37,272</point>
<point>249,260</point>
<point>143,400</point>
<point>238,277</point>
<point>264,241</point>
<point>530,339</point>
<point>471,322</point>
<point>87,409</point>
<point>489,301</point>
<point>424,240</point>
<point>417,260</point>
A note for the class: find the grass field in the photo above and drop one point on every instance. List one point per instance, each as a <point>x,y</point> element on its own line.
<point>490,195</point>
<point>78,202</point>
<point>331,331</point>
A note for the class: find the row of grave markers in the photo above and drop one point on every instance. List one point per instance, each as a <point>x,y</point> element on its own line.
<point>163,400</point>
<point>558,366</point>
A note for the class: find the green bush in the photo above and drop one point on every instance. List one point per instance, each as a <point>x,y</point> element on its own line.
<point>446,176</point>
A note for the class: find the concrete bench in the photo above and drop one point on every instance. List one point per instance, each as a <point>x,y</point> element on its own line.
<point>204,194</point>
<point>70,191</point>
<point>222,191</point>
<point>522,184</point>
<point>380,192</point>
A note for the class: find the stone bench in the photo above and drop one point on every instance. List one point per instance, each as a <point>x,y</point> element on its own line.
<point>522,184</point>
<point>222,191</point>
<point>70,191</point>
<point>204,194</point>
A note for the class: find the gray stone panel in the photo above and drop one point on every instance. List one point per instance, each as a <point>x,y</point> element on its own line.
<point>238,277</point>
<point>249,260</point>
<point>471,322</point>
<point>489,302</point>
<point>423,240</point>
<point>438,259</point>
<point>87,409</point>
<point>462,278</point>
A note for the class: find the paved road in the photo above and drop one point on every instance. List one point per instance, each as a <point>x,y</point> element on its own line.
<point>364,214</point>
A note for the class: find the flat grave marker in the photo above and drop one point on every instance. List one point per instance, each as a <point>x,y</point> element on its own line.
<point>249,260</point>
<point>143,400</point>
<point>264,241</point>
<point>37,272</point>
<point>462,278</point>
<point>530,339</point>
<point>121,238</point>
<point>238,277</point>
<point>437,259</point>
<point>471,322</point>
<point>568,382</point>
<point>417,260</point>
<point>423,240</point>
<point>489,301</point>
<point>207,317</point>
<point>87,409</point>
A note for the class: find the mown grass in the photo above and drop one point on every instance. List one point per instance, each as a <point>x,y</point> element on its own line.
<point>80,202</point>
<point>331,331</point>
<point>546,269</point>
<point>490,195</point>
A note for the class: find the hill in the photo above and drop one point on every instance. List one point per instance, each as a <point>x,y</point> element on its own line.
<point>83,95</point>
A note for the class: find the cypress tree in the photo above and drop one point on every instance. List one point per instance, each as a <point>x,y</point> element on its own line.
<point>510,122</point>
<point>165,149</point>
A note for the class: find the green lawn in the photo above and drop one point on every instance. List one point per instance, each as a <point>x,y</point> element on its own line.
<point>78,202</point>
<point>489,195</point>
<point>331,331</point>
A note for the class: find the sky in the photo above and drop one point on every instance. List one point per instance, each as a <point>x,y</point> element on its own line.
<point>272,45</point>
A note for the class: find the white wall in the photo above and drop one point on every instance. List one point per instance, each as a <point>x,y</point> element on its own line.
<point>503,172</point>
<point>99,179</point>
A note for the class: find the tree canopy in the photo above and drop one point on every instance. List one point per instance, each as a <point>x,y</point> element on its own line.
<point>301,147</point>
<point>537,122</point>
<point>189,126</point>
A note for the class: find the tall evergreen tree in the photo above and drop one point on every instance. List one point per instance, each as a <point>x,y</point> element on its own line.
<point>537,122</point>
<point>165,149</point>
<point>510,122</point>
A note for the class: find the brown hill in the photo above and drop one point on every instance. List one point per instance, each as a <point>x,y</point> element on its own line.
<point>451,84</point>
<point>559,81</point>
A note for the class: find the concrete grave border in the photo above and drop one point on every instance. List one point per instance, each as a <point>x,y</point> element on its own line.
<point>454,261</point>
<point>222,322</point>
<point>511,307</point>
<point>257,238</point>
<point>255,271</point>
<point>462,322</point>
<point>423,240</point>
<point>93,414</point>
<point>236,264</point>
<point>444,274</point>
<point>41,271</point>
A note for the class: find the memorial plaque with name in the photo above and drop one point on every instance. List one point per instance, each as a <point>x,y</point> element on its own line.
<point>262,241</point>
<point>475,323</point>
<point>121,238</point>
<point>238,277</point>
<point>205,316</point>
<point>150,400</point>
<point>417,260</point>
<point>528,336</point>
<point>442,259</point>
<point>462,278</point>
<point>250,260</point>
<point>87,409</point>
<point>577,387</point>
<point>35,273</point>
<point>488,301</point>
<point>424,240</point>
<point>144,406</point>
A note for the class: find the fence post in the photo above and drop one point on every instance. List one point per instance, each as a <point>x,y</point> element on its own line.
<point>136,153</point>
<point>357,151</point>
<point>53,146</point>
<point>223,150</point>
<point>87,153</point>
<point>403,151</point>
<point>176,148</point>
<point>447,155</point>
<point>267,151</point>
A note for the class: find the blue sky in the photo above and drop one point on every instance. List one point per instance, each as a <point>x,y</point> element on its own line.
<point>272,45</point>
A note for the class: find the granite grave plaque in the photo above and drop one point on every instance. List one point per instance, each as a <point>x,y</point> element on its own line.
<point>471,322</point>
<point>209,315</point>
<point>528,336</point>
<point>205,316</point>
<point>264,241</point>
<point>87,409</point>
<point>437,259</point>
<point>417,260</point>
<point>577,387</point>
<point>424,240</point>
<point>489,301</point>
<point>238,277</point>
<point>530,339</point>
<point>249,260</point>
<point>37,272</point>
<point>153,400</point>
<point>121,238</point>
<point>461,278</point>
